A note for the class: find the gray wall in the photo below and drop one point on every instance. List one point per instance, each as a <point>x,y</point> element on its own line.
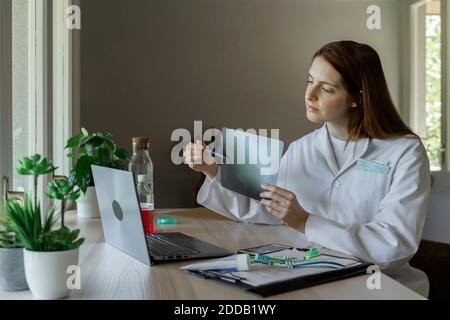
<point>151,66</point>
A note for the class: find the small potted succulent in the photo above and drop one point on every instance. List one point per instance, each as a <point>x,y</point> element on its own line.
<point>49,249</point>
<point>12,273</point>
<point>63,190</point>
<point>87,149</point>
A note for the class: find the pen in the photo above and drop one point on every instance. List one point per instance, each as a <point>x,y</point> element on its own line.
<point>197,274</point>
<point>214,153</point>
<point>211,274</point>
<point>220,275</point>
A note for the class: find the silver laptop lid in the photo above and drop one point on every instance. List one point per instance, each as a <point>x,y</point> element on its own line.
<point>120,212</point>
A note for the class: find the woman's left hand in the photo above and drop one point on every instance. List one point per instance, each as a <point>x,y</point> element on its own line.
<point>283,204</point>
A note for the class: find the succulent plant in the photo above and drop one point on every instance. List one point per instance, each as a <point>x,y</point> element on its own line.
<point>23,220</point>
<point>35,166</point>
<point>63,190</point>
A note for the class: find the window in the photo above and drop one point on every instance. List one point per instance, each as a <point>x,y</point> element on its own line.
<point>428,92</point>
<point>20,87</point>
<point>29,86</point>
<point>36,68</point>
<point>5,94</point>
<point>433,93</point>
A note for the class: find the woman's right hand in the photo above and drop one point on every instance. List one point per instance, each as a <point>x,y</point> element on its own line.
<point>200,161</point>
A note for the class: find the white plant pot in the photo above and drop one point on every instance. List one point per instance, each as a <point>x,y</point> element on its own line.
<point>87,205</point>
<point>47,272</point>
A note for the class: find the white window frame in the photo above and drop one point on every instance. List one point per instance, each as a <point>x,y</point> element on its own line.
<point>62,126</point>
<point>38,105</point>
<point>66,106</point>
<point>76,75</point>
<point>445,7</point>
<point>37,78</point>
<point>442,179</point>
<point>417,79</point>
<point>5,94</point>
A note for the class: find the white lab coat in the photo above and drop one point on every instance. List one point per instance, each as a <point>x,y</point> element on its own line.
<point>377,217</point>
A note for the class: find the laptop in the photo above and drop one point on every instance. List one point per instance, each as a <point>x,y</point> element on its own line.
<point>123,227</point>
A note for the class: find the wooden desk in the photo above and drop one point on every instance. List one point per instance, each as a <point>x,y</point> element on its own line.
<point>107,273</point>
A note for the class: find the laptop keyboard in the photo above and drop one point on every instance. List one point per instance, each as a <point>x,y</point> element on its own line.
<point>161,246</point>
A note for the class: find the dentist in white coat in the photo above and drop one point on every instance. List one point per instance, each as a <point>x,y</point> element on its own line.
<point>360,184</point>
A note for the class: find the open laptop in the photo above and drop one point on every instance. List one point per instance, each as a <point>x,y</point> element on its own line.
<point>124,229</point>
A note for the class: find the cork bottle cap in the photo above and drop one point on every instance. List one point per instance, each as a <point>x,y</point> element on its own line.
<point>141,142</point>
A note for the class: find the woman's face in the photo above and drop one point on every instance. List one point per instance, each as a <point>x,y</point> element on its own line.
<point>326,98</point>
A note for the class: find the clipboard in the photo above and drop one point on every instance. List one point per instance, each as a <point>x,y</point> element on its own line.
<point>293,281</point>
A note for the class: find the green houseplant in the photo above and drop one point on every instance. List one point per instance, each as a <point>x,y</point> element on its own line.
<point>63,190</point>
<point>35,166</point>
<point>86,149</point>
<point>8,238</point>
<point>49,250</point>
<point>12,273</point>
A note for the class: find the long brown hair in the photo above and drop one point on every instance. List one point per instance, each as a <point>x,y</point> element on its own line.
<point>360,68</point>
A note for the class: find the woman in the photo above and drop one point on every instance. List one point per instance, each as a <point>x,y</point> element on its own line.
<point>360,184</point>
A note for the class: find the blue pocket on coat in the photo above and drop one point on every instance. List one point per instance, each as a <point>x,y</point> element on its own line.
<point>371,166</point>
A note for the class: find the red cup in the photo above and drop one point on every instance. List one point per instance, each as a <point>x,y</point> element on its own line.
<point>148,218</point>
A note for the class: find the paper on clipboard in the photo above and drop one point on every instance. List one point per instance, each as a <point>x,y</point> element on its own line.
<point>263,274</point>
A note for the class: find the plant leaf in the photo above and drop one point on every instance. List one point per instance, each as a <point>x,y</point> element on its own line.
<point>23,171</point>
<point>73,141</point>
<point>122,154</point>
<point>36,158</point>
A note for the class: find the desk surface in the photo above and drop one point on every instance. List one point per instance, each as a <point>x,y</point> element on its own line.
<point>107,273</point>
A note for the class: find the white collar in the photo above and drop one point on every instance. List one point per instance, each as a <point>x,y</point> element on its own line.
<point>323,144</point>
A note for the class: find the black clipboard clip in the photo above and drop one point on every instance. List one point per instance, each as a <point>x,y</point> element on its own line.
<point>271,248</point>
<point>218,275</point>
<point>265,249</point>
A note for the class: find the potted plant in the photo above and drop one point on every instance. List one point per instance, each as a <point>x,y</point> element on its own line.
<point>63,190</point>
<point>97,148</point>
<point>49,250</point>
<point>12,273</point>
